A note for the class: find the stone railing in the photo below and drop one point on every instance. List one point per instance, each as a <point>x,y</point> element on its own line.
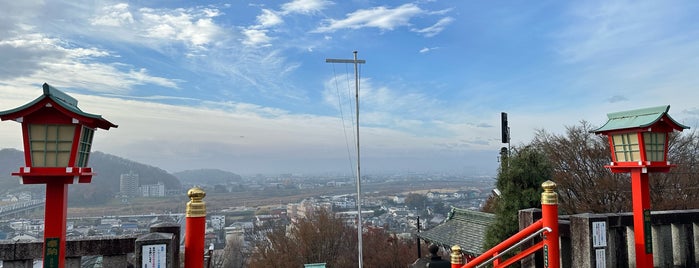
<point>607,240</point>
<point>116,251</point>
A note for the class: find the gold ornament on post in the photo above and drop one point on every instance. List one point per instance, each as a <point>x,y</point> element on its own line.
<point>196,207</point>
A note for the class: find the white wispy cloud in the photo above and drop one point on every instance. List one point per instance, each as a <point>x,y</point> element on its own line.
<point>256,37</point>
<point>427,49</point>
<point>117,15</point>
<point>193,27</point>
<point>403,109</point>
<point>613,28</point>
<point>436,28</point>
<point>69,65</point>
<point>268,18</point>
<point>305,6</point>
<point>153,97</point>
<point>632,51</point>
<point>255,65</point>
<point>59,52</point>
<point>381,17</point>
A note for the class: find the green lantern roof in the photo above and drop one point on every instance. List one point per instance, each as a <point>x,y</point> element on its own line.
<point>64,100</point>
<point>639,118</point>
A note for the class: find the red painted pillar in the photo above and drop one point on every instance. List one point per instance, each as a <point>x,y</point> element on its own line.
<point>55,212</point>
<point>641,218</point>
<point>549,218</point>
<point>195,229</point>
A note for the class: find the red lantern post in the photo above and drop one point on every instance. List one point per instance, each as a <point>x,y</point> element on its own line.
<point>57,141</point>
<point>194,240</point>
<point>638,140</point>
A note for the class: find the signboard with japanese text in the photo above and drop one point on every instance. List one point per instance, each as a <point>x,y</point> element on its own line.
<point>600,258</point>
<point>647,229</point>
<point>51,250</point>
<point>599,234</point>
<point>154,256</point>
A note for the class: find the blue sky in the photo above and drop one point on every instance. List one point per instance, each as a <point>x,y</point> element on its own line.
<point>244,86</point>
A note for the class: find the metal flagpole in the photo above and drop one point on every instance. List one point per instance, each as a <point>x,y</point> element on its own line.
<point>360,226</point>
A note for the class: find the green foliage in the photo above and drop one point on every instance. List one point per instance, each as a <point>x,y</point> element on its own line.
<point>438,207</point>
<point>417,201</point>
<point>519,181</point>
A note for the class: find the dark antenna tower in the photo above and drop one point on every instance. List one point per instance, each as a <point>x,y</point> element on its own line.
<point>505,135</point>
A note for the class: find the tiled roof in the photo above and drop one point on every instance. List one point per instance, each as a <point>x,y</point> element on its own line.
<point>639,118</point>
<point>465,228</point>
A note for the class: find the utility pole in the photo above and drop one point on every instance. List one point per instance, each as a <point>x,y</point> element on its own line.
<point>360,226</point>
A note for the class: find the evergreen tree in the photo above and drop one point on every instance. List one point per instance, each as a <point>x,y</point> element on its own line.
<point>519,181</point>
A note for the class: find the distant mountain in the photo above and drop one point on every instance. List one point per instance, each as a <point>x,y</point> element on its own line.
<point>110,167</point>
<point>104,185</point>
<point>207,177</point>
<point>10,161</point>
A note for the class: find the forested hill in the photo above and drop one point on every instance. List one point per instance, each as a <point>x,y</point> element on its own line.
<point>110,167</point>
<point>104,186</point>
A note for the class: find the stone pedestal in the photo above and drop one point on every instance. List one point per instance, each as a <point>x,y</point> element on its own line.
<point>156,250</point>
<point>170,228</point>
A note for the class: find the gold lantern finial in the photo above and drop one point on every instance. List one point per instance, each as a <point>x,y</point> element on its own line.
<point>549,196</point>
<point>456,256</point>
<point>196,207</point>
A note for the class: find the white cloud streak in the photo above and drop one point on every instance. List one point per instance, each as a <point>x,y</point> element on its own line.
<point>427,49</point>
<point>382,17</point>
<point>635,53</point>
<point>403,110</point>
<point>615,28</point>
<point>66,65</point>
<point>268,18</point>
<point>305,6</point>
<point>436,28</point>
<point>117,15</point>
<point>256,37</point>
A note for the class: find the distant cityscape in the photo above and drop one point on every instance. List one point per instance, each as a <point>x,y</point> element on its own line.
<point>393,202</point>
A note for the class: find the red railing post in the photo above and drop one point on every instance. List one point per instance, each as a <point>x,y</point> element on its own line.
<point>549,216</point>
<point>522,234</point>
<point>457,258</point>
<point>195,229</point>
<point>547,225</point>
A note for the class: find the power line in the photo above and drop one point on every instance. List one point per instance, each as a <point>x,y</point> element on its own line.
<point>344,129</point>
